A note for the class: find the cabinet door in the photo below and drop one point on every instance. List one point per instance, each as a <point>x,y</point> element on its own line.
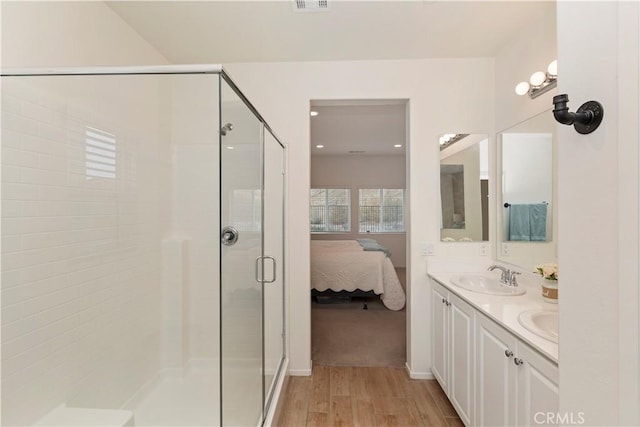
<point>439,334</point>
<point>461,370</point>
<point>496,374</point>
<point>537,388</point>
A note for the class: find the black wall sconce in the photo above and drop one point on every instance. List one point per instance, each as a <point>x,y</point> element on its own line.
<point>585,120</point>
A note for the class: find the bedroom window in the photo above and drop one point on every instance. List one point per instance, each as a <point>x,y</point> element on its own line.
<point>381,210</point>
<point>330,210</point>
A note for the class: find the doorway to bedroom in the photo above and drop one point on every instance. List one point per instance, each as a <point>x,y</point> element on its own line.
<point>359,227</point>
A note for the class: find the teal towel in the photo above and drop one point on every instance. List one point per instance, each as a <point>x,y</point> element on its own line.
<point>372,245</point>
<point>367,241</point>
<point>538,222</point>
<point>519,222</point>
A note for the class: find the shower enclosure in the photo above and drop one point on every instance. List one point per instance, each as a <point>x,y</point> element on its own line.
<point>142,249</point>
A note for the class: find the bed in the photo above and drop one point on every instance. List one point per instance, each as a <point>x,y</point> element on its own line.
<point>345,265</point>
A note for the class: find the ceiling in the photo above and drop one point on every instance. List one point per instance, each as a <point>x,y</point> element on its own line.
<point>272,31</point>
<point>219,32</point>
<point>366,127</point>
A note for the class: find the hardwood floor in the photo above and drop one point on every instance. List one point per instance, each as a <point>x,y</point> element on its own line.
<point>367,397</point>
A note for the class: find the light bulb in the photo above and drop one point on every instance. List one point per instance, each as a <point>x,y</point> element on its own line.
<point>397,146</point>
<point>522,88</point>
<point>537,78</point>
<point>313,113</point>
<point>552,69</point>
<point>319,146</point>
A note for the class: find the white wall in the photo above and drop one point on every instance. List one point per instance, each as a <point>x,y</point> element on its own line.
<point>81,261</point>
<point>532,49</point>
<point>435,89</point>
<point>355,172</point>
<point>598,220</point>
<point>49,34</point>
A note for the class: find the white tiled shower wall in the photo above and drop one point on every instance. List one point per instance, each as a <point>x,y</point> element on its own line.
<point>81,258</point>
<point>196,210</point>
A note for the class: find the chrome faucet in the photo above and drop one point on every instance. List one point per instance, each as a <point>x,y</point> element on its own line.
<point>507,276</point>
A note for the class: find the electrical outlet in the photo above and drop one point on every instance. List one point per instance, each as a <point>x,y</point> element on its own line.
<point>505,249</point>
<point>484,249</point>
<point>428,249</point>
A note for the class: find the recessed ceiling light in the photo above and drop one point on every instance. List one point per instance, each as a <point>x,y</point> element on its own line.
<point>397,146</point>
<point>319,146</point>
<point>313,113</point>
<point>229,147</point>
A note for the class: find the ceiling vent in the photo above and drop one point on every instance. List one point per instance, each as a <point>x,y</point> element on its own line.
<point>311,5</point>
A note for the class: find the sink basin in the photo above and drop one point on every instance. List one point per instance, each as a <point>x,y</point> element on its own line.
<point>543,323</point>
<point>485,285</point>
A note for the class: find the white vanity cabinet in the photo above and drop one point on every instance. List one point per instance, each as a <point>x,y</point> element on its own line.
<point>515,385</point>
<point>538,394</point>
<point>496,375</point>
<point>453,349</point>
<point>440,334</point>
<point>490,375</point>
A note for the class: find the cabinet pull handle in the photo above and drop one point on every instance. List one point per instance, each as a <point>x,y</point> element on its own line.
<point>518,361</point>
<point>508,353</point>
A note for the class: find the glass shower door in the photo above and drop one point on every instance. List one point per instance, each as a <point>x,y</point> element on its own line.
<point>273,239</point>
<point>241,246</point>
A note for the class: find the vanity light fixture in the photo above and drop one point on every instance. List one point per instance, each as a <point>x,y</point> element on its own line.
<point>449,138</point>
<point>540,82</point>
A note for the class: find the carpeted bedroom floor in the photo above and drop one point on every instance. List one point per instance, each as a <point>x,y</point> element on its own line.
<point>343,334</point>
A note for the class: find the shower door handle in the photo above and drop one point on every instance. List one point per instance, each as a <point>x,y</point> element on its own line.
<point>275,265</point>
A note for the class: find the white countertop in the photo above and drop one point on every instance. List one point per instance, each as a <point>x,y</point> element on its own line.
<point>505,309</point>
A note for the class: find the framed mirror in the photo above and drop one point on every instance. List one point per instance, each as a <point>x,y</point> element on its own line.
<point>527,208</point>
<point>464,187</point>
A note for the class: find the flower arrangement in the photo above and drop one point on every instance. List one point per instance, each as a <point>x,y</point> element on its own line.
<point>548,271</point>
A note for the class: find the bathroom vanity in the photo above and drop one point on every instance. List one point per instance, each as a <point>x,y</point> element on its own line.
<point>490,359</point>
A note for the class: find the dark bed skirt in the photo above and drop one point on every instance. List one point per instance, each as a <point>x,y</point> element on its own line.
<point>333,297</point>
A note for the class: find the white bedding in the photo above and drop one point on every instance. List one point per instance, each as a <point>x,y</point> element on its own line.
<point>342,265</point>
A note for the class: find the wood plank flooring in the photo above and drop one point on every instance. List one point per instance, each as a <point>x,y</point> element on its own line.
<point>366,397</point>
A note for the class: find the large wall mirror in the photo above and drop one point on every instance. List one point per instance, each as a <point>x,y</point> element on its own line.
<point>527,209</point>
<point>464,187</point>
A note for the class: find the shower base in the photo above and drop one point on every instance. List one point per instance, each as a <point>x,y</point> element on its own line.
<point>191,397</point>
<point>63,416</point>
<point>188,397</point>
